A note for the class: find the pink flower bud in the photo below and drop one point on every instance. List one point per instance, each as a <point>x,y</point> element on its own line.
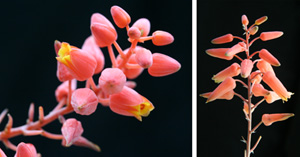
<point>219,53</point>
<point>2,154</point>
<point>228,96</point>
<point>264,66</point>
<point>71,131</point>
<point>143,57</point>
<point>134,33</point>
<point>25,150</point>
<point>259,90</point>
<point>103,34</point>
<point>160,38</point>
<point>246,68</point>
<point>223,39</point>
<point>237,48</point>
<point>130,103</point>
<point>84,101</point>
<point>269,119</point>
<point>261,20</point>
<point>112,80</point>
<point>143,25</point>
<point>79,63</point>
<point>227,85</point>
<point>274,83</point>
<point>230,71</point>
<point>163,65</point>
<point>264,36</point>
<point>253,30</point>
<point>245,20</point>
<point>120,16</point>
<point>267,56</point>
<point>92,48</point>
<point>62,90</point>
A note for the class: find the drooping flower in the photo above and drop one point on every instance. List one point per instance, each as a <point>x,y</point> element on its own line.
<point>120,16</point>
<point>71,131</point>
<point>246,67</point>
<point>237,48</point>
<point>84,101</point>
<point>160,38</point>
<point>264,66</point>
<point>267,56</point>
<point>25,150</point>
<point>269,119</point>
<point>112,80</point>
<point>163,65</point>
<point>231,71</point>
<point>259,90</point>
<point>223,39</point>
<point>228,96</point>
<point>227,85</point>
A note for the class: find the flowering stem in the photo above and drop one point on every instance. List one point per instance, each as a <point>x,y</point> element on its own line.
<point>92,83</point>
<point>239,38</point>
<point>112,56</point>
<point>119,49</point>
<point>248,147</point>
<point>245,100</point>
<point>129,53</point>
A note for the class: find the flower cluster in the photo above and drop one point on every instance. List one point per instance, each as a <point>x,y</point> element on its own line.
<point>264,74</point>
<point>113,89</point>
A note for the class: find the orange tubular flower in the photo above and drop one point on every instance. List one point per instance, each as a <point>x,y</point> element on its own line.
<point>256,77</point>
<point>237,48</point>
<point>274,83</point>
<point>267,56</point>
<point>163,65</point>
<point>223,39</point>
<point>120,16</point>
<point>130,103</point>
<point>264,36</point>
<point>227,85</point>
<point>269,119</point>
<point>259,90</point>
<point>264,66</point>
<point>79,63</point>
<point>246,67</point>
<point>219,53</point>
<point>228,96</point>
<point>230,71</point>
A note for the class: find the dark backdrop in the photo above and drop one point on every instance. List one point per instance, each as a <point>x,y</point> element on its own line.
<point>221,123</point>
<point>28,74</point>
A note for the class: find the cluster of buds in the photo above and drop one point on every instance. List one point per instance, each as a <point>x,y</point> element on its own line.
<point>115,85</point>
<point>255,78</point>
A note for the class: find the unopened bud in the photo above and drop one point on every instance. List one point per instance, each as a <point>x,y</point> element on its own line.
<point>160,38</point>
<point>103,34</point>
<point>71,131</point>
<point>25,150</point>
<point>267,56</point>
<point>264,36</point>
<point>143,57</point>
<point>223,39</point>
<point>84,101</point>
<point>261,20</point>
<point>253,30</point>
<point>134,33</point>
<point>143,25</point>
<point>112,80</point>
<point>245,20</point>
<point>269,119</point>
<point>246,67</point>
<point>120,16</point>
<point>163,65</point>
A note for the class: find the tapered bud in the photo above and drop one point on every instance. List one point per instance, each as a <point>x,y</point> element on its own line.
<point>71,131</point>
<point>237,48</point>
<point>245,20</point>
<point>264,36</point>
<point>25,150</point>
<point>161,38</point>
<point>79,63</point>
<point>256,77</point>
<point>112,80</point>
<point>2,154</point>
<point>264,66</point>
<point>103,34</point>
<point>259,90</point>
<point>163,65</point>
<point>227,85</point>
<point>253,30</point>
<point>130,103</point>
<point>99,18</point>
<point>143,25</point>
<point>274,83</point>
<point>120,16</point>
<point>246,67</point>
<point>228,96</point>
<point>261,20</point>
<point>62,90</point>
<point>223,39</point>
<point>230,71</point>
<point>84,101</point>
<point>143,57</point>
<point>267,56</point>
<point>134,33</point>
<point>92,48</point>
<point>219,53</point>
<point>269,119</point>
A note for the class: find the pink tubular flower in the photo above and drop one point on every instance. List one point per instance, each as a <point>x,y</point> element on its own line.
<point>160,38</point>
<point>237,48</point>
<point>264,36</point>
<point>274,83</point>
<point>84,101</point>
<point>112,80</point>
<point>246,68</point>
<point>256,77</point>
<point>92,48</point>
<point>264,66</point>
<point>230,71</point>
<point>228,96</point>
<point>163,65</point>
<point>269,119</point>
<point>63,89</point>
<point>223,39</point>
<point>25,150</point>
<point>219,53</point>
<point>120,16</point>
<point>143,25</point>
<point>79,63</point>
<point>62,72</point>
<point>227,85</point>
<point>130,103</point>
<point>245,20</point>
<point>267,56</point>
<point>259,90</point>
<point>71,131</point>
<point>143,57</point>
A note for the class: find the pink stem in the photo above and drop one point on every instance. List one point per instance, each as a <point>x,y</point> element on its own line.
<point>112,56</point>
<point>119,49</point>
<point>129,53</point>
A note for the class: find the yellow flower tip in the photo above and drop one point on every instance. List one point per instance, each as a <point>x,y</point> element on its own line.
<point>142,110</point>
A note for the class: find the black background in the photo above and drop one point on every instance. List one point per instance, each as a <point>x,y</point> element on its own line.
<point>28,74</point>
<point>221,123</point>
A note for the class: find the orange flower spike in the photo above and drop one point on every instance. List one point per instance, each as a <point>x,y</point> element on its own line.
<point>274,83</point>
<point>223,39</point>
<point>161,38</point>
<point>261,20</point>
<point>264,36</point>
<point>219,53</point>
<point>163,65</point>
<point>269,119</point>
<point>245,20</point>
<point>120,16</point>
<point>267,56</point>
<point>237,48</point>
<point>264,66</point>
<point>227,85</point>
<point>246,67</point>
<point>259,90</point>
<point>230,71</point>
<point>228,96</point>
